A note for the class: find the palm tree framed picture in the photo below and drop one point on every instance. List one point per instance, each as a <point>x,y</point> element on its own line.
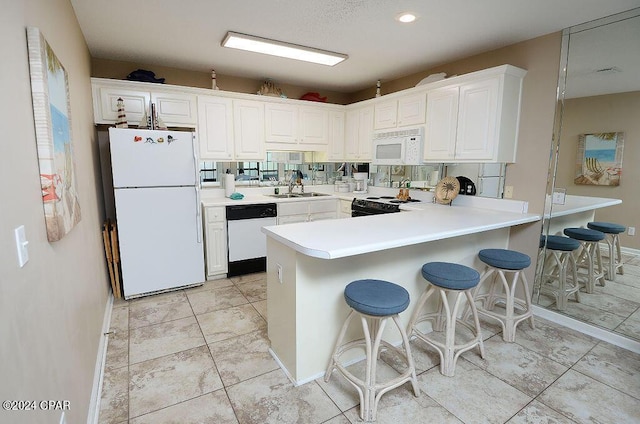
<point>52,117</point>
<point>599,160</point>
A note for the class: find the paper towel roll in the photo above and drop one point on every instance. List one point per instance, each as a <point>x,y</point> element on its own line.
<point>229,184</point>
<point>433,177</point>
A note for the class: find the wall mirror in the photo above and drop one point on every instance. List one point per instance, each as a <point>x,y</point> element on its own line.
<point>599,92</point>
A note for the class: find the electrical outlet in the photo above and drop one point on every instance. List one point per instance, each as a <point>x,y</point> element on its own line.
<point>631,231</point>
<point>279,272</point>
<point>508,192</point>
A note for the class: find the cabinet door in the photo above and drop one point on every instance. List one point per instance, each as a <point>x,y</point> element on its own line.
<point>358,134</point>
<point>476,135</point>
<point>215,128</point>
<point>216,240</point>
<point>442,121</point>
<point>313,126</point>
<point>411,110</point>
<point>248,129</point>
<point>320,216</point>
<point>365,134</point>
<point>351,141</point>
<point>335,150</point>
<point>175,109</point>
<point>290,219</point>
<point>281,123</point>
<point>106,109</point>
<point>385,115</point>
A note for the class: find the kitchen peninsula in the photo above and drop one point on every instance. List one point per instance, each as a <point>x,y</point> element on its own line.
<point>576,211</point>
<point>309,264</point>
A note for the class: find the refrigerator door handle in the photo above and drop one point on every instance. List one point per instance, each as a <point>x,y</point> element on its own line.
<point>198,216</point>
<point>196,165</point>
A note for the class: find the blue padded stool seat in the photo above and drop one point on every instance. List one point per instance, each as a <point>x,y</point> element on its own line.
<point>450,275</point>
<point>376,297</point>
<point>565,244</point>
<point>584,234</point>
<point>607,227</point>
<point>505,259</point>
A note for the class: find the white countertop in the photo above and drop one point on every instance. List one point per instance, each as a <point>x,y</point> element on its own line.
<point>347,237</point>
<point>575,204</point>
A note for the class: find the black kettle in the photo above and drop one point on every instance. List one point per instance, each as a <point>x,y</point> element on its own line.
<point>466,186</point>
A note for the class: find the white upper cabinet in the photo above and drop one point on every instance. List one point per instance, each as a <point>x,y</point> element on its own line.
<point>174,107</point>
<point>442,122</point>
<point>215,128</point>
<point>403,111</point>
<point>335,150</point>
<point>248,130</point>
<point>475,119</point>
<point>293,127</point>
<point>359,134</point>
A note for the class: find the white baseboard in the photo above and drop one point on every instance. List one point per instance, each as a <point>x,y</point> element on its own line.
<point>94,405</point>
<point>588,329</point>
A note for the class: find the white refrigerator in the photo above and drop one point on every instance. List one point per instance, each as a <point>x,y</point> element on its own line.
<point>157,201</point>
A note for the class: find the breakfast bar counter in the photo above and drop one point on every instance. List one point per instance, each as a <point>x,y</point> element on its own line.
<point>309,264</point>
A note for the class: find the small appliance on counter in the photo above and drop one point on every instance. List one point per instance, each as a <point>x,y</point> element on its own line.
<point>360,179</point>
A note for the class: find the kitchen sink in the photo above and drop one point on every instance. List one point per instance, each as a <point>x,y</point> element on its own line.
<point>311,194</point>
<point>296,195</point>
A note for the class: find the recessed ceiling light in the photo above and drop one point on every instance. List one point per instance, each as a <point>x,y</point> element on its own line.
<point>278,48</point>
<point>406,18</point>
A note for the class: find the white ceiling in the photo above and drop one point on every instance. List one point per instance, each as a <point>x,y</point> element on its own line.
<point>604,59</point>
<point>186,34</point>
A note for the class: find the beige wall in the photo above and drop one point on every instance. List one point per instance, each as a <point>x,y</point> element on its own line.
<point>51,311</point>
<point>614,112</point>
<point>103,68</point>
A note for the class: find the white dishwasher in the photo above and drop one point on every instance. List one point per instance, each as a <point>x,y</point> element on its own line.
<point>247,242</point>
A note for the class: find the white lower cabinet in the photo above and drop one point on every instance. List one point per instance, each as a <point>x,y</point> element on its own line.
<point>216,240</point>
<point>306,211</point>
<point>345,209</point>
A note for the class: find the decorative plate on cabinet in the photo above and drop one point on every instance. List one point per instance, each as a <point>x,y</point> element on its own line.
<point>446,190</point>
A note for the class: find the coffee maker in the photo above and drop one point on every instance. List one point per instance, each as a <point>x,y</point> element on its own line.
<point>360,179</point>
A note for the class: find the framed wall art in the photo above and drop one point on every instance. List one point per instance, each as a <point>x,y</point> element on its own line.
<point>599,159</point>
<point>52,116</point>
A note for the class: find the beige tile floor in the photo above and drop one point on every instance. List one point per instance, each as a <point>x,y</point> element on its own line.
<point>614,306</point>
<point>200,356</point>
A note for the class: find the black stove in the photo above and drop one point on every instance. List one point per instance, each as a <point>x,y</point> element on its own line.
<point>369,206</point>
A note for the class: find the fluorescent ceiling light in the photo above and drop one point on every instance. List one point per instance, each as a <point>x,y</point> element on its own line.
<point>251,43</point>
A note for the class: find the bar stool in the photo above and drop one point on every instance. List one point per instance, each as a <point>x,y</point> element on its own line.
<point>498,263</point>
<point>445,278</point>
<point>613,242</point>
<point>374,301</point>
<point>589,256</point>
<point>554,278</point>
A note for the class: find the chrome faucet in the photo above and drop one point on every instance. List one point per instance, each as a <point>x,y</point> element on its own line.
<point>296,179</point>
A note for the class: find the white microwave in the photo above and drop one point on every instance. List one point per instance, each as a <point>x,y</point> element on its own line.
<point>397,150</point>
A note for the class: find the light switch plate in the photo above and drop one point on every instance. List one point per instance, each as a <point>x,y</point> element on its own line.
<point>21,246</point>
